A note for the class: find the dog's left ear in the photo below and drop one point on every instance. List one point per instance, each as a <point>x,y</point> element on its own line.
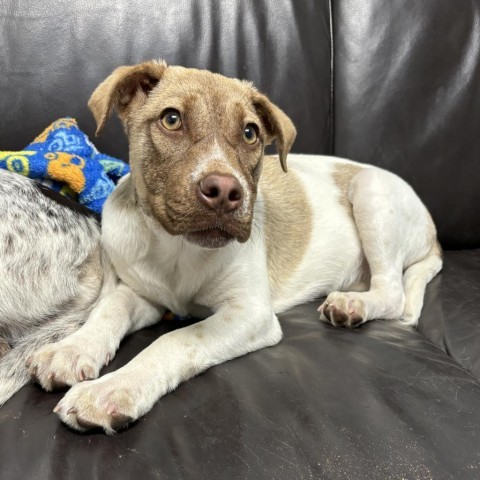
<point>277,125</point>
<point>125,88</point>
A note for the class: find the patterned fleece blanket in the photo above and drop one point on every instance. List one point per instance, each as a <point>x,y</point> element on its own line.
<point>63,158</point>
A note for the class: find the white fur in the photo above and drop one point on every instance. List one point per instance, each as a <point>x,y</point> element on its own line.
<point>391,233</point>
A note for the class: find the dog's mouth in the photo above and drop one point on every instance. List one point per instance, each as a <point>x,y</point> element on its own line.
<point>204,229</point>
<point>210,237</point>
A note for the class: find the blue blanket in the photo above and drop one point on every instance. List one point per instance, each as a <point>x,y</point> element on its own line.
<point>64,159</point>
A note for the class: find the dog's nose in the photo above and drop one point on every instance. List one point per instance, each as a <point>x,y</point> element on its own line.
<point>221,193</point>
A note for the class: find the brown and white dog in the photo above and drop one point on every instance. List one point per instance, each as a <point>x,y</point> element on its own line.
<point>207,225</point>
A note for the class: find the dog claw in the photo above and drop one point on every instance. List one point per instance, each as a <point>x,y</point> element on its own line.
<point>112,409</point>
<point>356,321</point>
<point>86,374</point>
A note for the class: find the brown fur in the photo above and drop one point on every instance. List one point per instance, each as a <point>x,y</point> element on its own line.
<point>288,221</point>
<point>119,89</point>
<point>342,176</point>
<point>213,109</point>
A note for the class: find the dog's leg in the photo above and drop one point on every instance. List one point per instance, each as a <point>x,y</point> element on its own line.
<point>415,280</point>
<point>81,355</point>
<point>118,398</point>
<point>395,231</point>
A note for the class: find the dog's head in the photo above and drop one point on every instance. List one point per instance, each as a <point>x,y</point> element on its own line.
<point>196,146</point>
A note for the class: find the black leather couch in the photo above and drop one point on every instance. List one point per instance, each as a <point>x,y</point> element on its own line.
<point>395,83</point>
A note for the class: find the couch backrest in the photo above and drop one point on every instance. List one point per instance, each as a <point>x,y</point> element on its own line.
<point>407,98</point>
<point>55,52</point>
<point>401,90</point>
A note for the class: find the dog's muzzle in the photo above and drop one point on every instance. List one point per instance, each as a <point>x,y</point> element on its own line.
<point>221,196</point>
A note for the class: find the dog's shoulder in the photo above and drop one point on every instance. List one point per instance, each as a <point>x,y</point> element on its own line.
<point>287,214</point>
<point>299,208</point>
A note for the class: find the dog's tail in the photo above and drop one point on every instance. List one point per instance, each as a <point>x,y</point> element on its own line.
<point>415,280</point>
<point>13,371</point>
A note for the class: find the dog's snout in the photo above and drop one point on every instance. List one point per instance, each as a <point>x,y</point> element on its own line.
<point>222,193</point>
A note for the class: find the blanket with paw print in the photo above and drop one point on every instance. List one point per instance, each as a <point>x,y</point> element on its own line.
<point>63,158</point>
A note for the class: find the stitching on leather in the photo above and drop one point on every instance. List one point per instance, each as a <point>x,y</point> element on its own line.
<point>332,80</point>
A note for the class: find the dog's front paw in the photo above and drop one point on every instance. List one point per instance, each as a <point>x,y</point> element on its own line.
<point>58,365</point>
<point>108,403</point>
<point>344,309</point>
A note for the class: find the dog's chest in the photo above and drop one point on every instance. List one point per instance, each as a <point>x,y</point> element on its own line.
<point>165,274</point>
<point>164,269</point>
<point>173,287</point>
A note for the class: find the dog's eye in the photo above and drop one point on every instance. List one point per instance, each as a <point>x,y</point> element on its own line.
<point>171,119</point>
<point>250,133</point>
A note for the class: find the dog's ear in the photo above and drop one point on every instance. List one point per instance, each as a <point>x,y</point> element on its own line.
<point>121,87</point>
<point>277,125</point>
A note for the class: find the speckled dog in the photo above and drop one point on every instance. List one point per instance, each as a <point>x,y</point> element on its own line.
<point>51,273</point>
<point>206,225</point>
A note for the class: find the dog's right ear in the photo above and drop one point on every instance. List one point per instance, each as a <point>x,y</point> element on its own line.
<point>121,87</point>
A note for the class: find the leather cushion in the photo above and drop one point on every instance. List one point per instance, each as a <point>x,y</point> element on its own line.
<point>378,402</point>
<point>451,314</point>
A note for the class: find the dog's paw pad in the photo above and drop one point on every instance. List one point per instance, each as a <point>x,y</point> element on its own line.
<point>57,365</point>
<point>343,310</point>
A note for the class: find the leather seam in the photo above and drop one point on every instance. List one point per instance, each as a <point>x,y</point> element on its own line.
<point>332,80</point>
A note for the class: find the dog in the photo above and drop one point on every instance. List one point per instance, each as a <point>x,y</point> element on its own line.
<point>205,225</point>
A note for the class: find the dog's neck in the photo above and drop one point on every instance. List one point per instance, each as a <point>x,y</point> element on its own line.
<point>145,253</point>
